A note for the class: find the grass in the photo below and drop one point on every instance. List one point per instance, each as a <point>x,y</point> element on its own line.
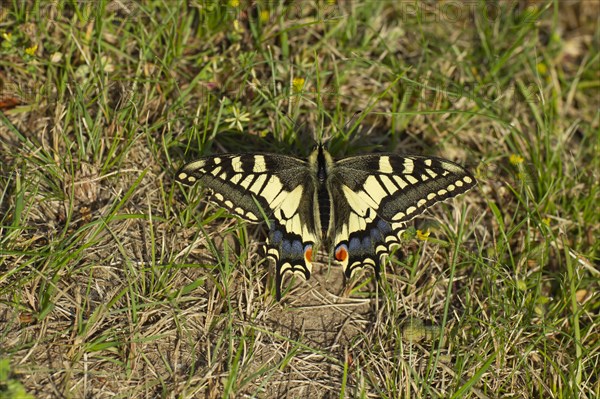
<point>117,282</point>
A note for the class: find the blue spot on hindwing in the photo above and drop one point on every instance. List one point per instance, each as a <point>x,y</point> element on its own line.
<point>292,249</point>
<point>354,244</point>
<point>384,226</point>
<point>286,247</point>
<point>376,235</point>
<point>297,248</point>
<point>276,237</point>
<point>366,242</point>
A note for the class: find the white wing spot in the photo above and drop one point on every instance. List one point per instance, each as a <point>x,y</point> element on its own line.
<point>285,267</point>
<point>246,182</point>
<point>451,187</point>
<point>381,249</point>
<point>390,239</point>
<point>467,179</point>
<point>428,163</point>
<point>229,204</point>
<point>236,165</point>
<point>431,196</point>
<point>251,216</point>
<point>219,196</point>
<point>384,165</point>
<point>409,166</point>
<point>258,184</point>
<point>217,161</point>
<point>223,176</point>
<point>400,182</point>
<point>442,192</point>
<point>399,227</point>
<point>196,165</point>
<point>450,167</point>
<point>411,179</point>
<point>235,179</point>
<point>399,216</point>
<point>368,261</point>
<point>459,183</point>
<point>259,164</point>
<point>411,209</point>
<point>215,171</point>
<point>421,202</point>
<point>389,184</point>
<point>431,173</point>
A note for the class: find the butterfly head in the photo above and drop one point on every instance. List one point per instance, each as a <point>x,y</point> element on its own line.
<point>320,161</point>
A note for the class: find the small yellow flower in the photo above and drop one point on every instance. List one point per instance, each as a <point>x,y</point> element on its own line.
<point>7,36</point>
<point>546,221</point>
<point>542,68</point>
<point>516,159</point>
<point>423,236</point>
<point>264,16</point>
<point>234,3</point>
<point>31,50</point>
<point>298,84</point>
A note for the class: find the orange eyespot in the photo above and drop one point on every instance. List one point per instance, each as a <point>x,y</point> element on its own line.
<point>341,253</point>
<point>308,253</point>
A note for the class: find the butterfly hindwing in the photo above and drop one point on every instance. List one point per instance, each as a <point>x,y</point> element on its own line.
<point>259,186</point>
<point>378,194</point>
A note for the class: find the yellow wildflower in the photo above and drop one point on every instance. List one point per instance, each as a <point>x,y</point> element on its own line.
<point>423,236</point>
<point>542,68</point>
<point>264,16</point>
<point>31,50</point>
<point>516,159</point>
<point>298,84</point>
<point>546,221</point>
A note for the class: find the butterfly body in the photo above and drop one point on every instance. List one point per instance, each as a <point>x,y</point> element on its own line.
<point>356,206</point>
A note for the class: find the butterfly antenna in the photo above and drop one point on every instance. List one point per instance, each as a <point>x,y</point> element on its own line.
<point>351,121</point>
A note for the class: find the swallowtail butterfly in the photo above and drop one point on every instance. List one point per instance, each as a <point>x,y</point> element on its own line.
<point>357,206</point>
